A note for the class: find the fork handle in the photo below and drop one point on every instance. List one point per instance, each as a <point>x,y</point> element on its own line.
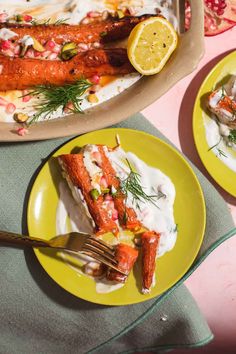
<point>18,239</point>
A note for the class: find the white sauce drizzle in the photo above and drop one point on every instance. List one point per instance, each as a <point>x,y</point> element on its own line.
<point>71,215</point>
<point>6,34</point>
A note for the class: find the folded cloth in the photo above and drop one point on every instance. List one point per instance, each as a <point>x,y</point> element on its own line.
<point>38,316</point>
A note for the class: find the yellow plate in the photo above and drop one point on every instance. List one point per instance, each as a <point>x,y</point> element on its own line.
<point>219,75</point>
<point>189,211</point>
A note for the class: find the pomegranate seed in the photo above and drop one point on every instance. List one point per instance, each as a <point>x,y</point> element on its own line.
<point>85,21</point>
<point>17,49</point>
<point>46,54</point>
<point>103,182</point>
<point>5,45</point>
<point>3,102</point>
<point>50,45</point>
<point>95,79</point>
<point>108,197</point>
<point>27,18</point>
<point>93,14</point>
<point>22,131</point>
<point>216,6</point>
<point>1,68</point>
<point>3,17</point>
<point>56,49</point>
<point>52,56</point>
<point>9,53</point>
<point>37,54</point>
<point>83,46</point>
<point>10,108</point>
<point>26,97</point>
<point>114,215</point>
<point>96,45</point>
<point>30,53</point>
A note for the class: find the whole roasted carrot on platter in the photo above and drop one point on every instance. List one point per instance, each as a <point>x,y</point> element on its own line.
<point>19,73</point>
<point>149,242</point>
<point>127,216</point>
<point>101,31</point>
<point>78,177</point>
<point>126,256</point>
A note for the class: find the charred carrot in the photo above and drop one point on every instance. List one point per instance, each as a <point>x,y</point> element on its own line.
<point>127,216</point>
<point>150,241</point>
<point>25,73</point>
<point>100,31</point>
<point>75,170</point>
<point>126,256</point>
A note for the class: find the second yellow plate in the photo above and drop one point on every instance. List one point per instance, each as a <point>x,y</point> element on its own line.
<point>222,174</point>
<point>189,212</point>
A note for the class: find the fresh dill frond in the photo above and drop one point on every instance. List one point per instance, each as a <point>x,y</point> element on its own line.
<point>48,21</point>
<point>55,97</point>
<point>212,147</point>
<point>232,136</point>
<point>132,185</point>
<point>221,153</point>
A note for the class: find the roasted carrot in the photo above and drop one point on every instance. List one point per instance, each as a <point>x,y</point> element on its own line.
<point>21,73</point>
<point>100,31</point>
<point>75,170</point>
<point>149,241</point>
<point>127,216</point>
<point>126,257</point>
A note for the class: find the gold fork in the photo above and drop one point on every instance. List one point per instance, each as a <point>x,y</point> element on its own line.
<point>73,241</point>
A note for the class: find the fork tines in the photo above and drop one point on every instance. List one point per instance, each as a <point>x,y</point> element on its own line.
<point>101,251</point>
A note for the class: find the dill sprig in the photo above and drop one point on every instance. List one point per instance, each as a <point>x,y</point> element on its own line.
<point>48,21</point>
<point>232,136</point>
<point>221,153</point>
<point>132,185</point>
<point>55,97</point>
<point>213,146</point>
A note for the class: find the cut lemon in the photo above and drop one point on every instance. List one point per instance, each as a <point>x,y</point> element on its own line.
<point>151,44</point>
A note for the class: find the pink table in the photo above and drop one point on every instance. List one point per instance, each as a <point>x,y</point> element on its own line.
<point>213,285</point>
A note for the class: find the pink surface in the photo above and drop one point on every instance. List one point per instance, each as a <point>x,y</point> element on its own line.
<point>213,285</point>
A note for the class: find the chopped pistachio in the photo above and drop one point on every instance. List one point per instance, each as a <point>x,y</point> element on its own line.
<point>68,51</point>
<point>105,190</point>
<point>94,194</point>
<point>20,117</point>
<point>120,14</point>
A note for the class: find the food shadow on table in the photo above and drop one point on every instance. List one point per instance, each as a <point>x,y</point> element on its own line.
<point>186,120</point>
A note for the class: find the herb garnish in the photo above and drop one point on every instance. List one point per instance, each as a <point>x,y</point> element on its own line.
<point>212,147</point>
<point>232,136</point>
<point>55,97</point>
<point>221,153</point>
<point>48,22</point>
<point>132,184</point>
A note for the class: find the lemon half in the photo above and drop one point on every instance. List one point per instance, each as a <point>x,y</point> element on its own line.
<point>151,44</point>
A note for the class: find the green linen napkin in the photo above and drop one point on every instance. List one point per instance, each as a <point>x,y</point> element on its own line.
<point>38,316</point>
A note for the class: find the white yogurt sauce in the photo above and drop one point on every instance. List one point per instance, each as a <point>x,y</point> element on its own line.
<point>27,40</point>
<point>216,133</point>
<point>71,215</point>
<point>6,34</point>
<point>41,9</point>
<point>157,216</point>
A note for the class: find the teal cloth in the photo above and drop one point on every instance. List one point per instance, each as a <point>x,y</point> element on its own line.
<point>38,316</point>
